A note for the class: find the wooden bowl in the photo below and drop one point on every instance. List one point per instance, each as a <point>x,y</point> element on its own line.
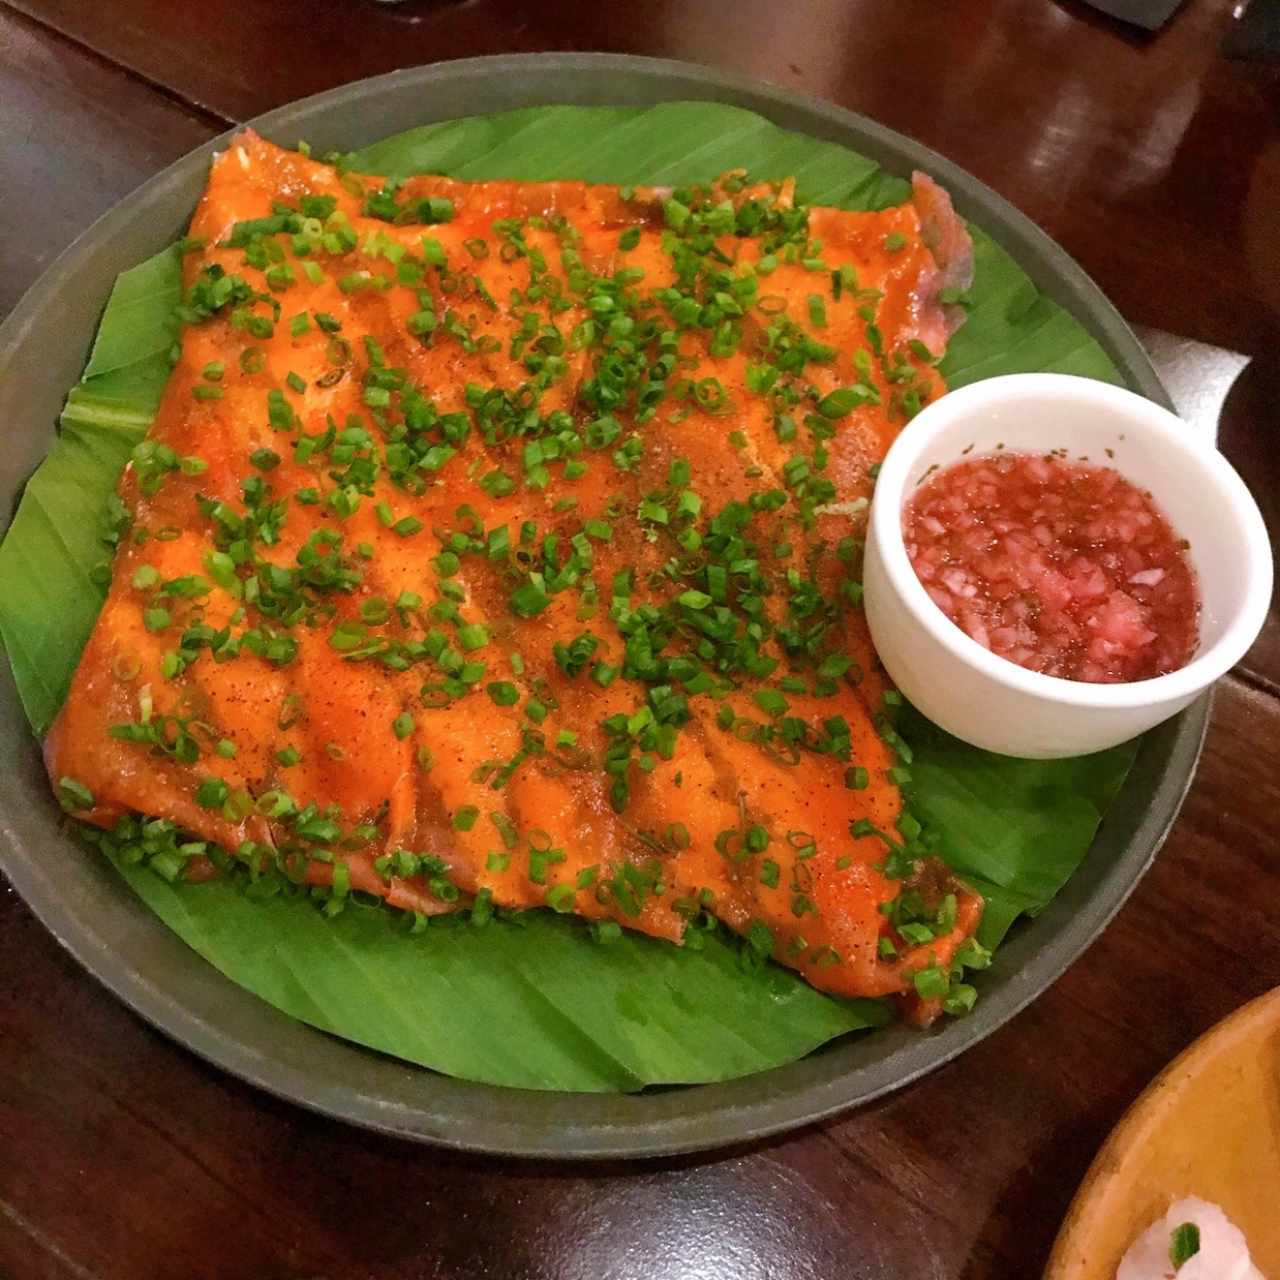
<point>1207,1126</point>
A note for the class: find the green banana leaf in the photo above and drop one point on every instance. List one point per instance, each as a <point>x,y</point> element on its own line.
<point>52,555</point>
<point>533,1001</point>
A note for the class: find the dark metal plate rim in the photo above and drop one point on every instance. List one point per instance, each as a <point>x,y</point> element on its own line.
<point>113,936</point>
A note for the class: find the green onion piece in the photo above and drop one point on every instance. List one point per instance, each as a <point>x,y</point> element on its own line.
<point>561,897</point>
<point>971,954</point>
<point>508,833</point>
<point>264,459</point>
<point>422,323</point>
<point>340,885</point>
<point>529,600</point>
<point>693,599</point>
<point>917,934</point>
<point>473,636</point>
<point>960,999</point>
<point>73,795</point>
<point>771,702</point>
<point>503,693</point>
<point>931,983</point>
<point>1184,1244</point>
<point>212,793</point>
<point>844,400</point>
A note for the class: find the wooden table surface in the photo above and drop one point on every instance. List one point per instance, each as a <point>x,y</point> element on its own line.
<point>1157,164</point>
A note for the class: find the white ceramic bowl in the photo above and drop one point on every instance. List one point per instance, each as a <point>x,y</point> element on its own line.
<point>993,703</point>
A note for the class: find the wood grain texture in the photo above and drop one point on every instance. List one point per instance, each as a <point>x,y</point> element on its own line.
<point>123,1157</point>
<point>1158,165</point>
<point>1247,435</point>
<point>77,136</point>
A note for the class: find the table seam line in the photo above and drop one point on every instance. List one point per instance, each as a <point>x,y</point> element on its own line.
<point>44,1241</point>
<point>1255,681</point>
<point>206,114</point>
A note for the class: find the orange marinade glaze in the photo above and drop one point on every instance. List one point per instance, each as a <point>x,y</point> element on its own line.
<point>550,833</point>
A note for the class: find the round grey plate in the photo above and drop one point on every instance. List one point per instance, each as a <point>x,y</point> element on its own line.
<point>94,915</point>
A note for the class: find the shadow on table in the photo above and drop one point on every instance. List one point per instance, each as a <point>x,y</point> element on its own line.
<point>1015,1240</point>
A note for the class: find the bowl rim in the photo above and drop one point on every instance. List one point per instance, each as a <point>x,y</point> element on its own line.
<point>91,912</point>
<point>1145,417</point>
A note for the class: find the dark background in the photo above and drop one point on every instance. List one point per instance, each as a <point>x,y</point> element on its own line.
<point>1156,163</point>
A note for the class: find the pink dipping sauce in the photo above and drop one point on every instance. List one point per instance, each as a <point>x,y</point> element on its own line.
<point>1062,567</point>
